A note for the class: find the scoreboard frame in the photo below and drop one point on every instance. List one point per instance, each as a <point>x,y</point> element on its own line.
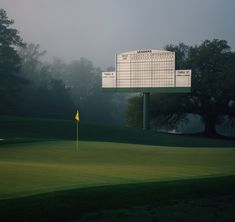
<point>150,71</point>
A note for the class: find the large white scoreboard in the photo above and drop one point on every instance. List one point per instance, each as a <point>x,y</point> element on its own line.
<point>146,70</point>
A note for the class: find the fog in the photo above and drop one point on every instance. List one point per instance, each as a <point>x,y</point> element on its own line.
<point>97,29</point>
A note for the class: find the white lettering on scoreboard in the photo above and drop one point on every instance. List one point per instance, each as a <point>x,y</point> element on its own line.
<point>145,69</point>
<point>183,78</point>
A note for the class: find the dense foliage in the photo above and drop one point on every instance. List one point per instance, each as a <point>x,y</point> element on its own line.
<point>31,87</point>
<point>11,83</point>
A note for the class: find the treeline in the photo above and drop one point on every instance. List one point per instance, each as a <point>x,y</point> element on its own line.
<point>31,87</point>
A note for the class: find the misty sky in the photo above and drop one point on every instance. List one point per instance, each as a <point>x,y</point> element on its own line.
<point>97,29</point>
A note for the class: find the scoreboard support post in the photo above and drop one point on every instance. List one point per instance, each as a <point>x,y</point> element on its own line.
<point>146,99</point>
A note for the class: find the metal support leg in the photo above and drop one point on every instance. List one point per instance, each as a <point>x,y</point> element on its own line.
<point>146,98</point>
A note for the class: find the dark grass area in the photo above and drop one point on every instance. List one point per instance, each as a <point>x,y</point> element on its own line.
<point>75,204</point>
<point>205,209</point>
<point>213,136</point>
<point>35,129</point>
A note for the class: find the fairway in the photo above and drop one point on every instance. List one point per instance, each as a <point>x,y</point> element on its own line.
<point>39,167</point>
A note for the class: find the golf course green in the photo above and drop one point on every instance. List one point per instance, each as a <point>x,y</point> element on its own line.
<point>38,167</point>
<point>39,163</point>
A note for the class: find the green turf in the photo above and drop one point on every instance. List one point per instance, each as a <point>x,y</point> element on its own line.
<point>44,178</point>
<point>29,168</point>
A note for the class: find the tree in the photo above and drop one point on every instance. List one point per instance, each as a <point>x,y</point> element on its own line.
<point>11,83</point>
<point>213,82</point>
<point>45,95</point>
<point>31,65</point>
<point>103,107</point>
<point>80,77</point>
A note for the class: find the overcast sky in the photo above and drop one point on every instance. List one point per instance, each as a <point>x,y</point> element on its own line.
<point>97,29</point>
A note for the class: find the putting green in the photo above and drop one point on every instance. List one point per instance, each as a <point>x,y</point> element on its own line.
<point>32,168</point>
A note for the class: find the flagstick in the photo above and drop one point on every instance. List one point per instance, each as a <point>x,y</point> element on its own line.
<point>77,138</point>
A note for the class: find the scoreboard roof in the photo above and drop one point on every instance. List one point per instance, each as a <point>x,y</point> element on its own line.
<point>144,51</point>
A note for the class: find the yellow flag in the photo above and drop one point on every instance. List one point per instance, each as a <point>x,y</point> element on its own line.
<point>77,116</point>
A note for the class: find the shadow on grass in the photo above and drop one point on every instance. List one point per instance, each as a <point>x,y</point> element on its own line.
<point>73,204</point>
<point>47,129</point>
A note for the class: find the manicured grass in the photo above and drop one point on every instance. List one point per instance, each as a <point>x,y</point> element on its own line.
<point>31,168</point>
<point>44,178</point>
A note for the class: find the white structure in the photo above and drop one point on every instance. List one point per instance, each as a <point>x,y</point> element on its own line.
<point>146,69</point>
<point>108,80</point>
<point>149,68</point>
<point>183,78</point>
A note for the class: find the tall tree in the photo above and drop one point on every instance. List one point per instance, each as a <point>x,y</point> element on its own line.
<point>80,77</point>
<point>10,82</point>
<point>213,83</point>
<point>45,95</point>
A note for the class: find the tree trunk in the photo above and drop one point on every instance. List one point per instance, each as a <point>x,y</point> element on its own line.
<point>210,126</point>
